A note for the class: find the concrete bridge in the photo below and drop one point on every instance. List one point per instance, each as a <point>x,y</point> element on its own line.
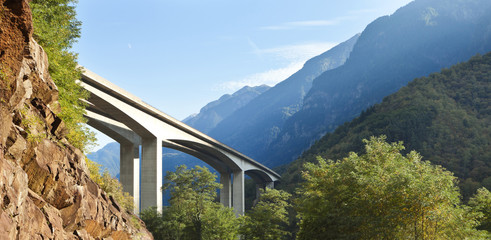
<point>133,123</point>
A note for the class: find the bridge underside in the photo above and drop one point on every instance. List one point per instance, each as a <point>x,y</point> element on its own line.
<point>136,125</point>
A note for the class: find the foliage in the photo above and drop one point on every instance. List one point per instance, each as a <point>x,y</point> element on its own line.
<point>192,213</point>
<point>32,124</point>
<point>481,202</point>
<point>56,29</point>
<point>444,116</point>
<point>195,185</point>
<point>110,185</point>
<point>268,218</point>
<point>382,194</point>
<point>135,222</point>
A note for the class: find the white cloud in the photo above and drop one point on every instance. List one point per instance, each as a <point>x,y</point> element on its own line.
<point>292,56</point>
<point>300,24</point>
<point>254,47</point>
<point>315,23</point>
<point>299,52</point>
<point>362,11</point>
<point>270,78</point>
<point>129,45</point>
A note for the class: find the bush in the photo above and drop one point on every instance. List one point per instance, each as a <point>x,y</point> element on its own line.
<point>110,185</point>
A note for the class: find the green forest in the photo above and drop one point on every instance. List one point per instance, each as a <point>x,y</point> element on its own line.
<point>380,194</point>
<point>446,117</point>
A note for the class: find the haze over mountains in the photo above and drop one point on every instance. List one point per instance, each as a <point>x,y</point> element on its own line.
<point>280,123</point>
<point>446,117</point>
<point>214,112</point>
<point>422,37</point>
<point>252,128</point>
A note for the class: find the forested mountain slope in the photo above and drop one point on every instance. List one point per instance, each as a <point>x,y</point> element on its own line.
<point>422,37</point>
<point>446,117</point>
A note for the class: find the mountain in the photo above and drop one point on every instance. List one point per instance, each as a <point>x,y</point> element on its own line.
<point>209,116</point>
<point>422,37</point>
<point>445,117</point>
<point>214,112</point>
<point>253,127</point>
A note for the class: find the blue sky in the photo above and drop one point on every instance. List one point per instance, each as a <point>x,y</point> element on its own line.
<point>178,55</point>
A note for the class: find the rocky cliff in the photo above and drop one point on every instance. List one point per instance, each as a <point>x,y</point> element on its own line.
<point>45,190</point>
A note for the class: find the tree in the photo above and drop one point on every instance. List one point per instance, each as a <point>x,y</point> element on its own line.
<point>56,29</point>
<point>192,213</point>
<point>268,219</point>
<point>481,203</point>
<point>382,195</point>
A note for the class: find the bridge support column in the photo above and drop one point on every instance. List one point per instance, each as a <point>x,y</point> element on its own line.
<point>151,174</point>
<point>130,171</point>
<point>238,193</point>
<point>225,192</point>
<point>136,179</point>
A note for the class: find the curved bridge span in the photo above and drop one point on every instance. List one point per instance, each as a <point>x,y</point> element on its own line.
<point>133,123</point>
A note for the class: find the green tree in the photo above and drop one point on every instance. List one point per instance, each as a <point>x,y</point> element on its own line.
<point>382,195</point>
<point>481,203</point>
<point>56,29</point>
<point>268,219</point>
<point>192,213</point>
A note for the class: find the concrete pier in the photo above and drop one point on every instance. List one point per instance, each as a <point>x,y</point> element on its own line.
<point>238,193</point>
<point>226,191</point>
<point>130,171</point>
<point>151,170</point>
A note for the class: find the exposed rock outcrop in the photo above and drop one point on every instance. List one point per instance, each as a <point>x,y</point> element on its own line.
<point>45,190</point>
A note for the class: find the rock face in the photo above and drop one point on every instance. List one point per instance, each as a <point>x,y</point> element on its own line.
<point>45,189</point>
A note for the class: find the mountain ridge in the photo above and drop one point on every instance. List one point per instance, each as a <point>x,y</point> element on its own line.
<point>420,38</point>
<point>215,111</point>
<point>256,124</point>
<point>444,116</point>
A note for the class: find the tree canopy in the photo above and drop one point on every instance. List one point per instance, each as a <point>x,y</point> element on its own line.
<point>481,202</point>
<point>268,219</point>
<point>192,212</point>
<point>382,194</point>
